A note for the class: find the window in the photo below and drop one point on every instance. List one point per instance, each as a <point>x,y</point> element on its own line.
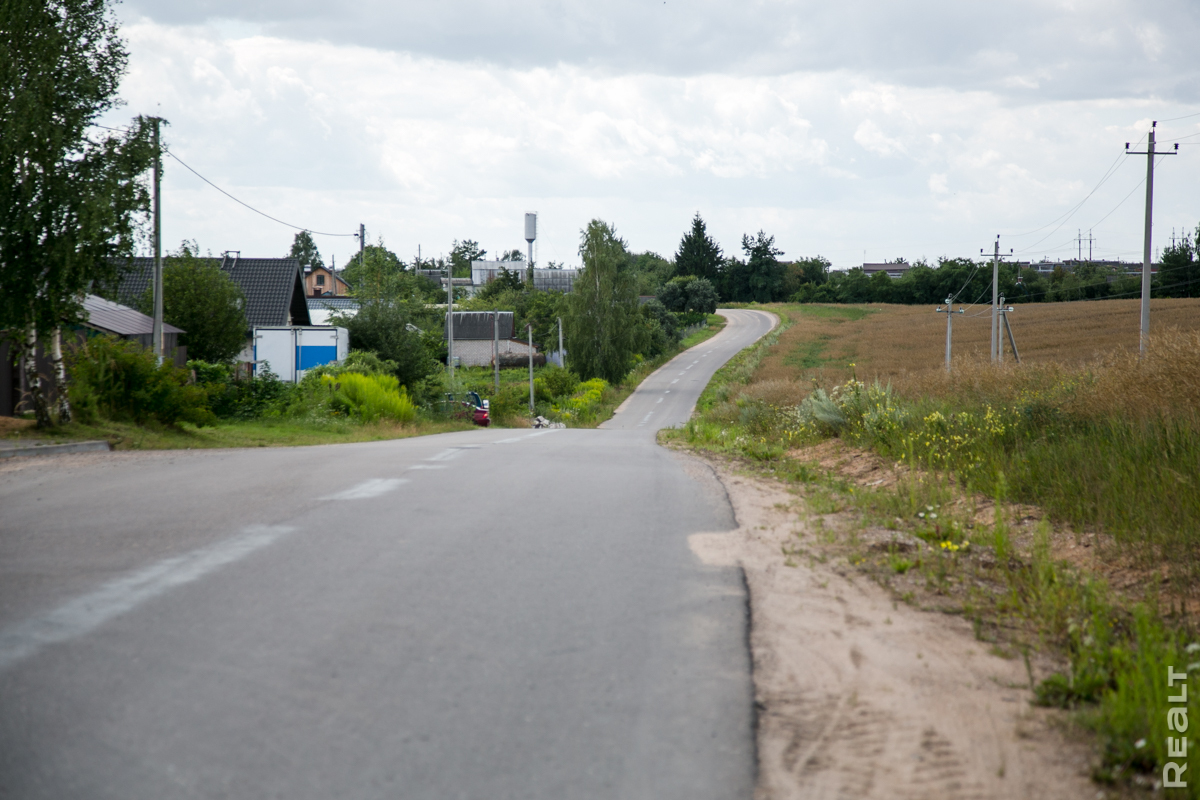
<point>320,280</point>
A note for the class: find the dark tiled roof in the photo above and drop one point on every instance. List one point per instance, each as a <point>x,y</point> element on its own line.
<point>273,287</point>
<point>333,303</point>
<point>478,325</point>
<point>121,320</point>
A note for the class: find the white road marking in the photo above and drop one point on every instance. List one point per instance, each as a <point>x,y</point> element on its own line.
<point>84,614</point>
<point>677,379</point>
<point>659,400</point>
<point>428,466</point>
<point>368,489</point>
<point>508,441</point>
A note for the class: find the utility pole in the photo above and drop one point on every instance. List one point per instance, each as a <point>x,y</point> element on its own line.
<point>156,334</point>
<point>1008,328</point>
<point>450,320</point>
<point>562,357</point>
<point>529,330</point>
<point>496,347</point>
<point>1091,239</point>
<point>1149,153</point>
<point>1078,245</point>
<point>949,312</point>
<point>996,297</point>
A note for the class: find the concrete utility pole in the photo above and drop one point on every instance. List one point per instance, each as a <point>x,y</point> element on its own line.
<point>529,330</point>
<point>450,321</point>
<point>1149,153</point>
<point>949,312</point>
<point>996,297</point>
<point>562,356</point>
<point>496,347</point>
<point>156,335</point>
<point>1008,328</point>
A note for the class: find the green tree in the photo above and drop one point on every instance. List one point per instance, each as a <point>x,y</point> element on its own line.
<point>381,326</point>
<point>698,254</point>
<point>304,250</point>
<point>701,296</point>
<point>1179,269</point>
<point>379,274</point>
<point>764,273</point>
<point>461,256</point>
<point>602,329</point>
<point>70,197</point>
<point>205,302</point>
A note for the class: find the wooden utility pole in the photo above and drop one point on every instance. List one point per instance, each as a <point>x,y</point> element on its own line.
<point>156,335</point>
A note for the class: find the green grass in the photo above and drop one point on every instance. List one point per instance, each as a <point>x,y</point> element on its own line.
<point>254,433</point>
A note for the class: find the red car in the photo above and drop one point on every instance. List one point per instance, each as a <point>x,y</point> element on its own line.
<point>471,405</point>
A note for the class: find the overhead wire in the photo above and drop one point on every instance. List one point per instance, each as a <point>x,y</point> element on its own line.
<point>252,208</point>
<point>167,151</point>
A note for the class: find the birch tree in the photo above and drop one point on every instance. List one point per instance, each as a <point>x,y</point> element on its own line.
<point>70,194</point>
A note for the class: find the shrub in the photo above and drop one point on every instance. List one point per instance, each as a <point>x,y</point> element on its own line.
<point>122,381</point>
<point>559,382</point>
<point>234,397</point>
<point>370,397</point>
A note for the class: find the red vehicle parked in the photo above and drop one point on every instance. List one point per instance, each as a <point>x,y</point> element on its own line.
<point>471,405</point>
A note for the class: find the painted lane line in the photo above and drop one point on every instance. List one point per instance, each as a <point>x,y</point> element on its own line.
<point>659,400</point>
<point>508,441</point>
<point>368,489</point>
<point>675,381</point>
<point>84,614</point>
<point>428,466</point>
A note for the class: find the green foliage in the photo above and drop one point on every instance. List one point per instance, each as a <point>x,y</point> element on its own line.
<point>688,293</point>
<point>582,405</point>
<point>651,271</point>
<point>369,398</point>
<point>231,396</point>
<point>201,299</point>
<point>380,326</point>
<point>121,381</point>
<point>698,254</point>
<point>461,256</point>
<point>602,313</point>
<point>559,382</point>
<point>757,279</point>
<point>71,196</point>
<point>304,250</point>
<point>507,281</point>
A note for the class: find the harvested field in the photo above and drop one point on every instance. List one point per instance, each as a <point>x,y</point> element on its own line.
<point>893,342</point>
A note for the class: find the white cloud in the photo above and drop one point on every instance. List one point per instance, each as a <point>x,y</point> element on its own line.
<point>426,149</point>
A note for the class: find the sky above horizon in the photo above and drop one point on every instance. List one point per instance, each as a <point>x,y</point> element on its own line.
<point>860,131</point>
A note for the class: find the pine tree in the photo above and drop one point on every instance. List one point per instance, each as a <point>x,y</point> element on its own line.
<point>698,254</point>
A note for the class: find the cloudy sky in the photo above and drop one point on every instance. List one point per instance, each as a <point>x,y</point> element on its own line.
<point>857,130</point>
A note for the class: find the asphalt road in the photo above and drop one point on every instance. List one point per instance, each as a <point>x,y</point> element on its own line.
<point>487,614</point>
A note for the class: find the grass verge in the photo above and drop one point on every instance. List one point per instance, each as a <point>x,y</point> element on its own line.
<point>1053,505</point>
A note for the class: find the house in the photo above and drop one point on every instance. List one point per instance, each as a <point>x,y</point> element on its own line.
<point>474,342</point>
<point>320,309</point>
<point>547,280</point>
<point>322,281</point>
<point>101,317</point>
<point>273,287</point>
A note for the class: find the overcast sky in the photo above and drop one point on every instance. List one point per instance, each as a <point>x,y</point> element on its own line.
<point>855,130</point>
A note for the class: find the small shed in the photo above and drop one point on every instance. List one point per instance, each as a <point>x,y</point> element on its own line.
<point>105,316</point>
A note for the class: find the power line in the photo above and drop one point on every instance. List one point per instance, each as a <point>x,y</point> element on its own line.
<point>252,208</point>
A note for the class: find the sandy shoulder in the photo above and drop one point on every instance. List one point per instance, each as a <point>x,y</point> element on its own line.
<point>859,696</point>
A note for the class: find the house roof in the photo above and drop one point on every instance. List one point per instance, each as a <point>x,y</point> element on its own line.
<point>478,325</point>
<point>333,303</point>
<point>273,287</point>
<point>122,320</point>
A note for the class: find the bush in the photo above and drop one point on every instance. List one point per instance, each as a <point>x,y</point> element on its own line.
<point>370,397</point>
<point>122,381</point>
<point>234,397</point>
<point>559,382</point>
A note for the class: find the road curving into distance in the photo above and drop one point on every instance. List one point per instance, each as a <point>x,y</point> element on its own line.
<point>485,614</point>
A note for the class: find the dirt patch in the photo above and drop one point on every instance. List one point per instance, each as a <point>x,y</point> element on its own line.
<point>10,426</point>
<point>860,696</point>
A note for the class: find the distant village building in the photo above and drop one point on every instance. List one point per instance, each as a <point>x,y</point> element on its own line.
<point>474,338</point>
<point>895,270</point>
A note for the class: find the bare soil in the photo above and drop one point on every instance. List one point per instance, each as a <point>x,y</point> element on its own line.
<point>862,696</point>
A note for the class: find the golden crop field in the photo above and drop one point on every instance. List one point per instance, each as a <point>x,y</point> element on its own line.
<point>897,342</point>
